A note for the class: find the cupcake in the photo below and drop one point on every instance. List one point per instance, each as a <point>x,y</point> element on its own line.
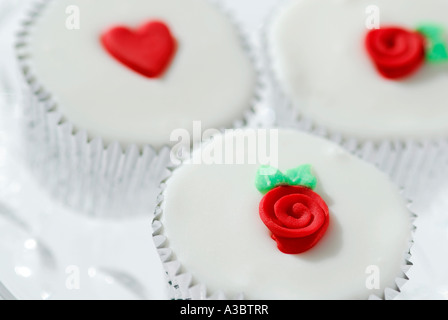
<point>108,81</point>
<point>279,214</point>
<point>363,70</point>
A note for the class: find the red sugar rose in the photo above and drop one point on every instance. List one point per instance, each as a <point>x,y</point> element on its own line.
<point>396,52</point>
<point>296,216</point>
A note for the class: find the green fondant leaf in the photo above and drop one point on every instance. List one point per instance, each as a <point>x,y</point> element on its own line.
<point>437,48</point>
<point>302,176</point>
<point>431,31</point>
<point>438,53</point>
<point>268,178</point>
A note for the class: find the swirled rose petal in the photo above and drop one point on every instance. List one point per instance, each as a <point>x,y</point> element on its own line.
<point>296,216</point>
<point>293,215</point>
<point>295,230</point>
<point>396,52</point>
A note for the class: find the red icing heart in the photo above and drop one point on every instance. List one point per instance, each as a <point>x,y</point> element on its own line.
<point>148,50</point>
<point>396,52</point>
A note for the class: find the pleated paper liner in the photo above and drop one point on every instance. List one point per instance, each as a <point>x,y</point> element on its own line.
<point>97,178</point>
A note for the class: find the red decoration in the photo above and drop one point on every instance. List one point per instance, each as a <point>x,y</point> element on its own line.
<point>296,216</point>
<point>148,50</point>
<point>396,52</point>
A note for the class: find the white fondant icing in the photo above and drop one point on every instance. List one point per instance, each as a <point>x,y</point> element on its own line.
<point>211,78</point>
<point>318,53</point>
<point>211,220</point>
